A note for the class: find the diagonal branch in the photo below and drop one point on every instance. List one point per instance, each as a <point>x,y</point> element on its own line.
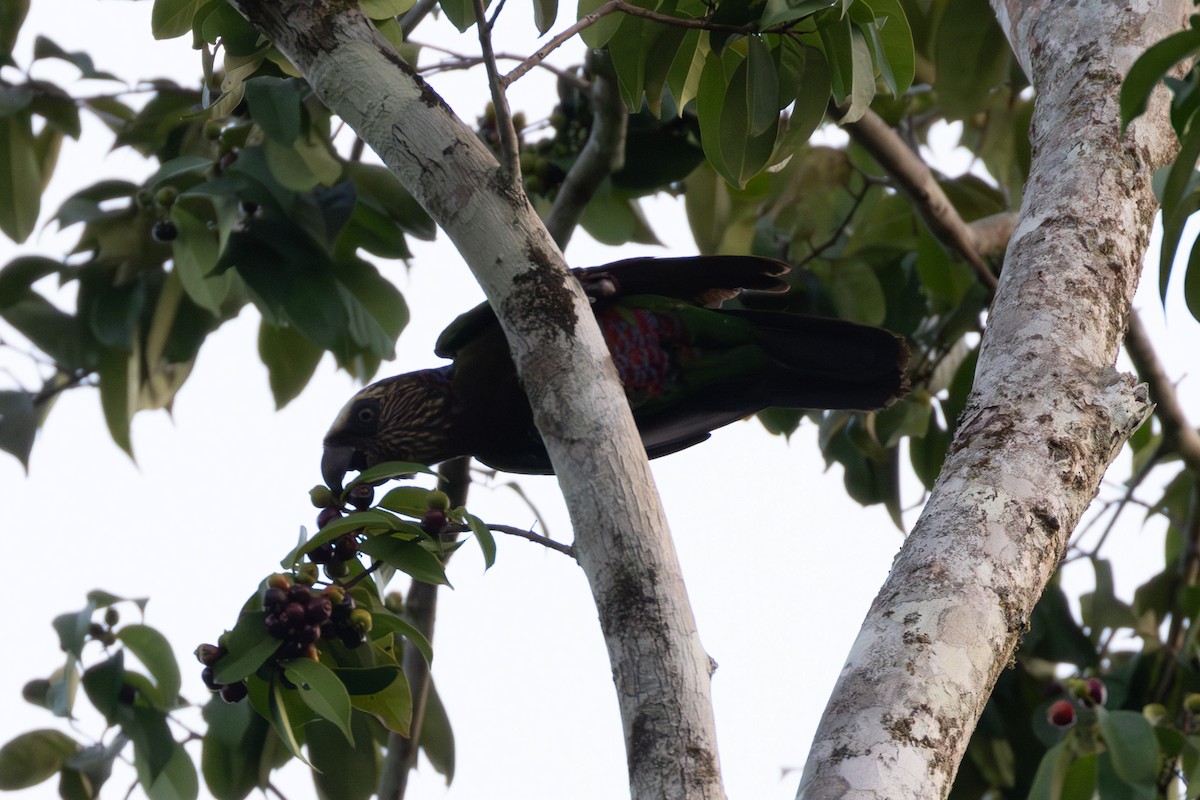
<point>510,155</point>
<point>1178,434</point>
<point>603,154</point>
<point>916,180</point>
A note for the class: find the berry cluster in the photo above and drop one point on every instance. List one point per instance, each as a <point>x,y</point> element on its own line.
<point>336,554</point>
<point>1091,692</point>
<point>209,655</point>
<point>300,617</point>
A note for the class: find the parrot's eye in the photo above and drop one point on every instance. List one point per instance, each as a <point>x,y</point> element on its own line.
<point>365,415</point>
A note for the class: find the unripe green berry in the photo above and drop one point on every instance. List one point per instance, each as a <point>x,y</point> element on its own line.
<point>321,496</point>
<point>166,196</point>
<point>439,500</point>
<point>307,574</point>
<point>360,621</point>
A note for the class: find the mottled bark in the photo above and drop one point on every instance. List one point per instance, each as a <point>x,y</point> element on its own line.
<point>1047,415</point>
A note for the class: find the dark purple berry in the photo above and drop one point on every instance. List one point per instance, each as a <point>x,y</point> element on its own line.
<point>307,635</point>
<point>326,516</point>
<point>434,522</point>
<point>1061,714</point>
<point>361,496</point>
<point>1097,691</point>
<point>299,594</point>
<point>233,692</point>
<point>208,675</point>
<point>276,626</point>
<point>318,610</point>
<point>164,231</point>
<point>322,553</point>
<point>347,546</point>
<point>274,599</point>
<point>209,654</point>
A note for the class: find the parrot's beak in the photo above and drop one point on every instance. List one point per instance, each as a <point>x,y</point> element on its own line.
<point>336,462</point>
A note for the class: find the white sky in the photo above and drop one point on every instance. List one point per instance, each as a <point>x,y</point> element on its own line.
<point>781,566</point>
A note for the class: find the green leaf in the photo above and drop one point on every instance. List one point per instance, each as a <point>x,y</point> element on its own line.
<point>119,372</point>
<point>437,737</point>
<point>45,48</point>
<point>385,9</point>
<point>385,623</point>
<point>1191,282</point>
<point>172,18</point>
<point>971,55</point>
<point>321,691</point>
<point>389,470</point>
<point>487,543</point>
<point>18,424</point>
<point>177,780</point>
<point>103,682</point>
<point>292,276</point>
<point>342,771</point>
<point>249,647</point>
<point>281,719</point>
<point>12,16</point>
<point>154,651</point>
<point>377,186</point>
<point>411,501</point>
<point>20,177</point>
<point>1048,781</point>
<point>461,13</point>
<point>1150,67</point>
<point>1131,742</point>
<point>544,14</point>
<point>857,293</point>
<point>391,704</point>
<point>724,109</point>
<point>33,757</point>
<point>290,358</point>
<point>597,35</point>
<point>892,43</point>
<point>762,102</point>
<point>407,556</point>
<point>683,78</point>
<point>235,751</point>
<point>927,453</point>
<point>276,106</point>
<point>778,11</point>
<point>195,252</point>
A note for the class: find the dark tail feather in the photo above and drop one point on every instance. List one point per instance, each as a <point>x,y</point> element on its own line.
<point>828,363</point>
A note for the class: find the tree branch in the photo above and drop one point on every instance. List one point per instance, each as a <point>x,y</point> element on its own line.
<point>916,180</point>
<point>603,154</point>
<point>622,540</point>
<point>510,155</point>
<point>1046,416</point>
<point>1178,434</point>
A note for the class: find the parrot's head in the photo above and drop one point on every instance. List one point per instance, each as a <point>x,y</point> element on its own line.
<point>404,418</point>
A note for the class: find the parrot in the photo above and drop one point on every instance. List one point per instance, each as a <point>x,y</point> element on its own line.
<point>688,366</point>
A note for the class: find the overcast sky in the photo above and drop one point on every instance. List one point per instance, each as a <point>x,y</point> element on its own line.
<point>780,565</point>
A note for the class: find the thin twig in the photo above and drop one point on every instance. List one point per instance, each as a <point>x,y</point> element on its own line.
<point>413,17</point>
<point>510,155</point>
<point>612,6</point>
<point>841,228</point>
<point>565,549</point>
<point>602,155</point>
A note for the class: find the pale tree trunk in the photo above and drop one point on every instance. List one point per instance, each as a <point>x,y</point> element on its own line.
<point>622,541</point>
<point>1047,415</point>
